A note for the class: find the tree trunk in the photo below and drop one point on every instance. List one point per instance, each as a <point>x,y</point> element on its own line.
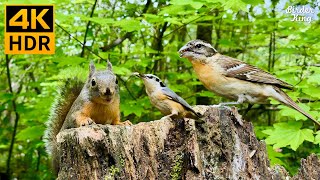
<point>223,147</point>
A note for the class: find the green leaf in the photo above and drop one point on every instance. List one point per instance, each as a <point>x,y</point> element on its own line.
<point>235,5</point>
<point>286,50</point>
<point>206,94</point>
<point>274,156</point>
<point>176,9</point>
<point>289,112</point>
<point>176,21</point>
<point>6,96</point>
<point>129,24</point>
<point>132,109</point>
<point>71,72</point>
<point>314,78</point>
<point>101,21</point>
<point>192,3</point>
<point>121,70</point>
<point>29,2</point>
<point>70,61</point>
<point>288,134</point>
<point>30,133</point>
<point>253,2</point>
<point>317,138</point>
<point>153,18</point>
<point>311,91</point>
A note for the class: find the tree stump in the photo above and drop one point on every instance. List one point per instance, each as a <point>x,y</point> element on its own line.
<point>223,147</point>
<point>309,168</point>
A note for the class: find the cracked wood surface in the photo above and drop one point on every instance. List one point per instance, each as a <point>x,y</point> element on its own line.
<point>223,147</point>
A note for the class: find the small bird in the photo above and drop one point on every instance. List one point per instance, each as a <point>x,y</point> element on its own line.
<point>164,99</point>
<point>234,79</point>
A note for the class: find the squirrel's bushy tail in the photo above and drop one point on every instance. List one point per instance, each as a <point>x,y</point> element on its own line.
<point>67,94</point>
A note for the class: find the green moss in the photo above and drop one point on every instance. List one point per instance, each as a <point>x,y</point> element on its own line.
<point>176,169</point>
<point>122,161</point>
<point>115,170</point>
<point>112,172</point>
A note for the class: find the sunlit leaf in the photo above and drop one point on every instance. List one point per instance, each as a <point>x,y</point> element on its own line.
<point>288,134</point>
<point>129,24</point>
<point>317,138</point>
<point>30,133</point>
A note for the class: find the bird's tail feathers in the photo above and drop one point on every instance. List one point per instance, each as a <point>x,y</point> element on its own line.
<point>286,100</point>
<point>197,114</point>
<point>193,114</point>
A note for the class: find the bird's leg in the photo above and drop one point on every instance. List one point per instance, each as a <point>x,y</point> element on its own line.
<point>173,115</point>
<point>241,99</point>
<point>220,105</point>
<point>224,104</point>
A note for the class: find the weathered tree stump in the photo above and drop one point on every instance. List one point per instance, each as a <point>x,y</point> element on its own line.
<point>221,148</point>
<point>310,168</point>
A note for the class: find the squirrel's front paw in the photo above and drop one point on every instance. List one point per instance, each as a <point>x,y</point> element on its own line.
<point>125,123</point>
<point>86,122</point>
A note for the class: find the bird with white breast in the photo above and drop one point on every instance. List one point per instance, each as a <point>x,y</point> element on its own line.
<point>164,99</point>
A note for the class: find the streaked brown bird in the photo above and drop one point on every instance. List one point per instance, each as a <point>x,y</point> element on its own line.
<point>234,79</point>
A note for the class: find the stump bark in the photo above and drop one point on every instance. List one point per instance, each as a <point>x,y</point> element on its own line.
<point>223,147</point>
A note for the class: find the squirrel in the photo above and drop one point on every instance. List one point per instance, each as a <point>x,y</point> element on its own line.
<point>83,103</point>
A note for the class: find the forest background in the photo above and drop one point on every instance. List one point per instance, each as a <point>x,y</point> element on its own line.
<point>145,36</point>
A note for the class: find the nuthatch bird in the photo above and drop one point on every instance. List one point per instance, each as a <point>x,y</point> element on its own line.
<point>234,79</point>
<point>164,99</point>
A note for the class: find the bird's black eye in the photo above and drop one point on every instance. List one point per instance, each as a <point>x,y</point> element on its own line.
<point>116,81</point>
<point>199,45</point>
<point>93,82</point>
<point>162,85</point>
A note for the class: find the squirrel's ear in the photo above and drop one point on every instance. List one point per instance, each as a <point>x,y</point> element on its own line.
<point>92,68</point>
<point>109,66</point>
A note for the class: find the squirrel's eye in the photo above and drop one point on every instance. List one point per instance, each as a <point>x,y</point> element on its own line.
<point>198,45</point>
<point>93,82</point>
<point>116,81</point>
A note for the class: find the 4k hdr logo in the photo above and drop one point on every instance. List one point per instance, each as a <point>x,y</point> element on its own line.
<point>29,29</point>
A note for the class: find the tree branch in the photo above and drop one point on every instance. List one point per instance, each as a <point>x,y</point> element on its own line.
<point>70,36</point>
<point>14,108</point>
<point>125,85</point>
<point>87,29</point>
<point>127,35</point>
<point>116,42</point>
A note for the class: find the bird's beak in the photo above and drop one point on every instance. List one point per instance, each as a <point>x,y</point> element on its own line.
<point>138,74</point>
<point>183,50</point>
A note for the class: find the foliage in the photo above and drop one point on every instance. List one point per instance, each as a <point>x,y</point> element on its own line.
<point>288,134</point>
<point>145,36</point>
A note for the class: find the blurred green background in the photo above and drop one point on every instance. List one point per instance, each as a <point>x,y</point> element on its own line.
<point>145,36</point>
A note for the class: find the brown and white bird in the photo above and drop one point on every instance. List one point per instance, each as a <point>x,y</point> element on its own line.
<point>234,79</point>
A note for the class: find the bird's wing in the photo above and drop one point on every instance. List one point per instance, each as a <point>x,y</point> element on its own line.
<point>241,70</point>
<point>173,96</point>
